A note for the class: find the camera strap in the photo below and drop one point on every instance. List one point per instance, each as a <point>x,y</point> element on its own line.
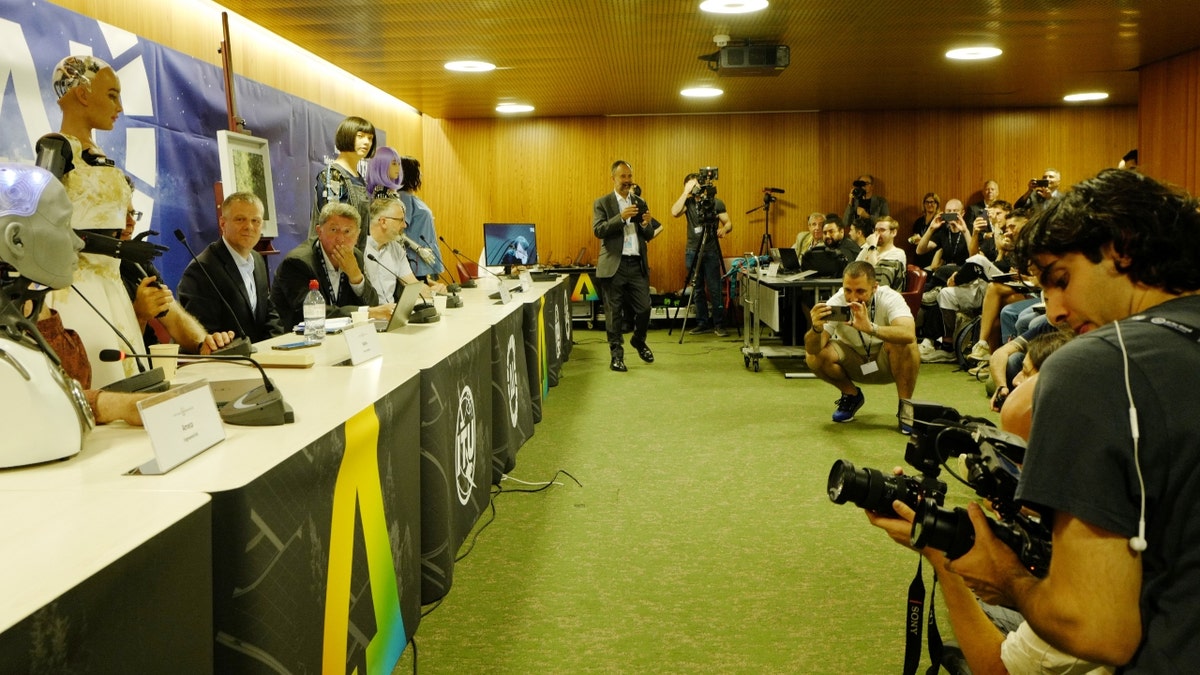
<point>913,617</point>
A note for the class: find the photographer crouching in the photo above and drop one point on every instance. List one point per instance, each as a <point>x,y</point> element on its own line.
<point>865,333</point>
<point>708,223</point>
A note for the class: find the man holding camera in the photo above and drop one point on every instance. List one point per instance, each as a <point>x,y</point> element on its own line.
<point>864,203</point>
<point>1114,450</point>
<point>865,333</point>
<point>708,222</point>
<point>1040,190</point>
<point>947,234</point>
<point>621,221</point>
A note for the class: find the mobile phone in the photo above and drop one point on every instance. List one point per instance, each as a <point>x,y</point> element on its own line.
<point>839,313</point>
<point>949,217</point>
<point>1041,182</point>
<point>288,346</point>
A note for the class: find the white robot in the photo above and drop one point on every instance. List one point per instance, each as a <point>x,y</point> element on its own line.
<point>38,252</point>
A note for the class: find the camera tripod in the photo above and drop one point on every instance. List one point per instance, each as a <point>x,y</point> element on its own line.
<point>694,275</point>
<point>766,245</point>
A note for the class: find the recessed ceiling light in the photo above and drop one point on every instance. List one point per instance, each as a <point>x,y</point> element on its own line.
<point>702,92</point>
<point>1087,96</point>
<point>973,53</point>
<point>514,108</point>
<point>470,66</point>
<point>733,6</point>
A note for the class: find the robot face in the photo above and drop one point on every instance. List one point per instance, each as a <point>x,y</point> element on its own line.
<point>35,226</point>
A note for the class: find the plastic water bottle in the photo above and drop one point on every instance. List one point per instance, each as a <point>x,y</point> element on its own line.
<point>314,313</point>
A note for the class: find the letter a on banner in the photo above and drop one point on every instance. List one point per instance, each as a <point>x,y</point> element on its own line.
<point>357,494</point>
<point>585,289</point>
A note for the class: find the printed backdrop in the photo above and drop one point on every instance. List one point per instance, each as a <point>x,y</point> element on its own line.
<point>166,140</point>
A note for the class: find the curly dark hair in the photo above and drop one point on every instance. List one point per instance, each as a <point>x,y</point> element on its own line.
<point>411,168</point>
<point>1151,224</point>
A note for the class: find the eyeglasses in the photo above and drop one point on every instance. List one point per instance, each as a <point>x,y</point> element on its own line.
<point>391,218</point>
<point>931,201</point>
<point>135,215</point>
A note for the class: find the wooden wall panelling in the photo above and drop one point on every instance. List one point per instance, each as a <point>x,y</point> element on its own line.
<point>1169,117</point>
<point>548,171</point>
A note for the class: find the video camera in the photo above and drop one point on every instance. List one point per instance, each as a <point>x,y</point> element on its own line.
<point>992,458</point>
<point>705,194</point>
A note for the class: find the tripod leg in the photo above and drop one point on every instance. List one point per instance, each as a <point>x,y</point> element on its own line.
<point>693,274</point>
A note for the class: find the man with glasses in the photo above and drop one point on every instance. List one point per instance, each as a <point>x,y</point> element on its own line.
<point>393,271</point>
<point>331,259</point>
<point>870,205</point>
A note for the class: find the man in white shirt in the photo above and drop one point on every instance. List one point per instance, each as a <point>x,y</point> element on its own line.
<point>389,270</point>
<point>876,345</point>
<point>894,259</point>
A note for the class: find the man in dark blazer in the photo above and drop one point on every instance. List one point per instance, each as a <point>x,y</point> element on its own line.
<point>239,276</point>
<point>331,259</point>
<point>623,225</point>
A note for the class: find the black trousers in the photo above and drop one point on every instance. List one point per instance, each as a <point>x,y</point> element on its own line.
<point>627,290</point>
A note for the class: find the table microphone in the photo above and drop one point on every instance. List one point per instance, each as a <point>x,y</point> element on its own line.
<point>146,380</point>
<point>464,283</point>
<point>426,312</point>
<point>262,406</point>
<point>451,287</point>
<point>239,346</point>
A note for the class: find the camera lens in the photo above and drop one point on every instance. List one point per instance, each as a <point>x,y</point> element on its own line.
<point>866,488</point>
<point>943,529</point>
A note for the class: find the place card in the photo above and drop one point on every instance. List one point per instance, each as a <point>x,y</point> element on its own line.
<point>363,342</point>
<point>182,422</point>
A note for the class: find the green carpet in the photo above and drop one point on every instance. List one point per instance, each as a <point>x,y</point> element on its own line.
<point>702,540</point>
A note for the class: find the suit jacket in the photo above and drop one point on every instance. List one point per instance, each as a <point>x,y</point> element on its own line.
<point>610,230</point>
<point>879,207</point>
<point>196,294</point>
<point>291,285</point>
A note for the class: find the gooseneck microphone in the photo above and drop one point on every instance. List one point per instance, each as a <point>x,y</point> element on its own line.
<point>463,282</point>
<point>261,406</point>
<point>239,346</point>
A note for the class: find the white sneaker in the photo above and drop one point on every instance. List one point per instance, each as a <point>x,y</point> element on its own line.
<point>925,345</point>
<point>980,352</point>
<point>937,356</point>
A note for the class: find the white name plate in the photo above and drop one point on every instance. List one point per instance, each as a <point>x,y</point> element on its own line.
<point>773,269</point>
<point>505,294</point>
<point>526,278</point>
<point>182,423</point>
<point>363,342</point>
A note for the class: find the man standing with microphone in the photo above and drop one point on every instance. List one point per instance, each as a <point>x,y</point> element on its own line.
<point>622,222</point>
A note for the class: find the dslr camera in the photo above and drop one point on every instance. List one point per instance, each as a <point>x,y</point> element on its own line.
<point>705,194</point>
<point>992,459</point>
<point>859,191</point>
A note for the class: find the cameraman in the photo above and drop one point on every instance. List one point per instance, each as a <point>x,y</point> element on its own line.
<point>877,345</point>
<point>1118,486</point>
<point>704,212</point>
<point>864,203</point>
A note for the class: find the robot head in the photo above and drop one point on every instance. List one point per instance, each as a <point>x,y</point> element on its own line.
<point>36,237</point>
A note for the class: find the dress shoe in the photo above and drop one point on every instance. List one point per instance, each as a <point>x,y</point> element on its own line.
<point>618,364</point>
<point>645,353</point>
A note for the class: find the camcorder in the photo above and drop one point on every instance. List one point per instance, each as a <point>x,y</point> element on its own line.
<point>992,458</point>
<point>705,194</point>
<point>859,192</point>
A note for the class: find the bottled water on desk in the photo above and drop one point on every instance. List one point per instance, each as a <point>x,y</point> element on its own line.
<point>314,313</point>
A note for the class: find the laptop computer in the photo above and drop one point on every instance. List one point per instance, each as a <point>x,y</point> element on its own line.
<point>789,263</point>
<point>404,307</point>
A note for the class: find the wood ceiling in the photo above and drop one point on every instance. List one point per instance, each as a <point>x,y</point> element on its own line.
<point>632,57</point>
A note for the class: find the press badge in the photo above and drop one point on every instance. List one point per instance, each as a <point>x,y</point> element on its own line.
<point>869,367</point>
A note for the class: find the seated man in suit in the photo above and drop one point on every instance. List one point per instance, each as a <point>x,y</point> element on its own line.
<point>331,259</point>
<point>239,275</point>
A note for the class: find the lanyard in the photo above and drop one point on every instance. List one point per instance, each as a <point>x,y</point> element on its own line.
<point>862,339</point>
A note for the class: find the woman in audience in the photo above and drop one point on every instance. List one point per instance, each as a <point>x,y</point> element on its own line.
<point>931,204</point>
<point>340,181</point>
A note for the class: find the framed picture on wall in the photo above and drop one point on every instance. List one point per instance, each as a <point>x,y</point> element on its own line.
<point>246,167</point>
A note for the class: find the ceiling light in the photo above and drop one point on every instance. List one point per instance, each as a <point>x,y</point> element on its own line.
<point>701,92</point>
<point>1086,96</point>
<point>509,108</point>
<point>470,66</point>
<point>973,53</point>
<point>733,6</point>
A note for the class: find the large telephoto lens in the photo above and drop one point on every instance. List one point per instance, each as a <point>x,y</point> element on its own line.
<point>943,529</point>
<point>865,488</point>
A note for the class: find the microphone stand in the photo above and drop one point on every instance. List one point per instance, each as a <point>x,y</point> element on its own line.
<point>260,407</point>
<point>463,283</point>
<point>426,313</point>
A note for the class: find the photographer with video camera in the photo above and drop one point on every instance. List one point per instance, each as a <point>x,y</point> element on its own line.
<point>708,222</point>
<point>863,202</point>
<point>1113,451</point>
<point>864,333</point>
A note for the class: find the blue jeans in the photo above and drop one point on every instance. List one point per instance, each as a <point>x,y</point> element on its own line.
<point>709,284</point>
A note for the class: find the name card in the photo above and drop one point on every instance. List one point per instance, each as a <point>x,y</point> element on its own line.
<point>505,294</point>
<point>526,280</point>
<point>182,423</point>
<point>773,269</point>
<point>363,343</point>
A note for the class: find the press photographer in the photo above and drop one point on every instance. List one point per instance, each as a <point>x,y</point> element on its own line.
<point>863,202</point>
<point>708,222</point>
